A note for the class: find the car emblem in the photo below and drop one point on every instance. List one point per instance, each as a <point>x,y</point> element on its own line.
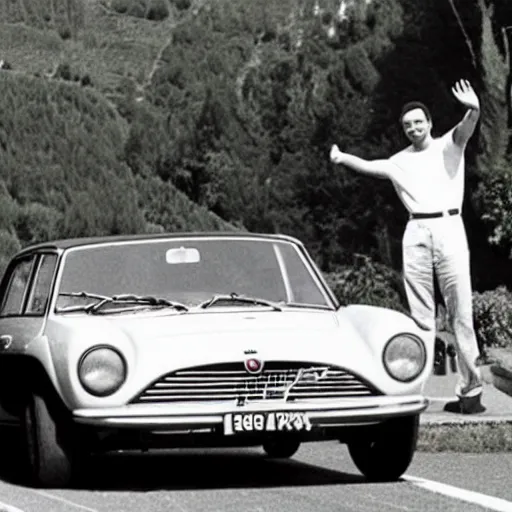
<point>253,366</point>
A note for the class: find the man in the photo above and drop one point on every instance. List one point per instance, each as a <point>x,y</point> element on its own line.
<point>428,176</point>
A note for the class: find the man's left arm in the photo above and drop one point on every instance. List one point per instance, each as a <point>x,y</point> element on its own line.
<point>463,91</point>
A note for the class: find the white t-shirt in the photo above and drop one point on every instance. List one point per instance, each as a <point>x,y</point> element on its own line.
<point>430,180</point>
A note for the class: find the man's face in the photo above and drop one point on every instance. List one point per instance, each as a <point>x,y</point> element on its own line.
<point>416,125</point>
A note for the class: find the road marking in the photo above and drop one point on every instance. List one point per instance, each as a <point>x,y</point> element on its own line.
<point>489,502</point>
<point>62,500</point>
<point>8,508</point>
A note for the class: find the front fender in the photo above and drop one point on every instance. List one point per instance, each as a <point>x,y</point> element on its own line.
<point>377,325</point>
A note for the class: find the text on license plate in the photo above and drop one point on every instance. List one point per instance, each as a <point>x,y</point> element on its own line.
<point>265,422</point>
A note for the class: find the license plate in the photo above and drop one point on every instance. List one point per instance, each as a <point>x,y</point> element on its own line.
<point>240,423</point>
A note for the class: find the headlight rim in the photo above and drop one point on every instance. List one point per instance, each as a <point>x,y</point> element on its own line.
<point>101,346</point>
<point>423,348</point>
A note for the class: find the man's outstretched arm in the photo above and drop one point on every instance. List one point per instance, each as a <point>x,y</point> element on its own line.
<point>377,168</point>
<point>463,91</point>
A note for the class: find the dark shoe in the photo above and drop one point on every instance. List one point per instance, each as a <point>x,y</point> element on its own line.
<point>466,405</point>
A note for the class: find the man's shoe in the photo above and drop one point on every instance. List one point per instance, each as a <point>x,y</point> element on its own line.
<point>466,405</point>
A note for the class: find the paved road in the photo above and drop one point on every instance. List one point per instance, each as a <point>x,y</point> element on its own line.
<point>321,477</point>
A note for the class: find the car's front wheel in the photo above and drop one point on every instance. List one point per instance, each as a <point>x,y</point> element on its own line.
<point>49,454</point>
<point>386,455</point>
<point>281,448</point>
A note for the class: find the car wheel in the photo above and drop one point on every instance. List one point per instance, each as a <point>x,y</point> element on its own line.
<point>49,459</point>
<point>387,455</point>
<point>281,448</point>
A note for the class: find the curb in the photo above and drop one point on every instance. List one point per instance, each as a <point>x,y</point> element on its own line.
<point>502,378</point>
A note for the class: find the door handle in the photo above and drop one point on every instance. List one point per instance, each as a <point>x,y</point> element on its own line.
<point>5,341</point>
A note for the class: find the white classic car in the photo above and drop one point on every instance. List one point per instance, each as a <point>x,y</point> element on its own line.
<point>204,339</point>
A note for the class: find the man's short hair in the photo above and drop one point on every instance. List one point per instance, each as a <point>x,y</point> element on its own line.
<point>411,106</point>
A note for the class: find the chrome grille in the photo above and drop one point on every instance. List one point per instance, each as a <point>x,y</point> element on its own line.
<point>279,380</point>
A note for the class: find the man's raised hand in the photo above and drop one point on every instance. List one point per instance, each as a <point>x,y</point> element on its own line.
<point>463,91</point>
<point>335,154</point>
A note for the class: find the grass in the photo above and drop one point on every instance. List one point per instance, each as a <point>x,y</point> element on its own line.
<point>491,437</point>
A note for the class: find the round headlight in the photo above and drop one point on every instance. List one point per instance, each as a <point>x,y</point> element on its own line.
<point>404,357</point>
<point>102,371</point>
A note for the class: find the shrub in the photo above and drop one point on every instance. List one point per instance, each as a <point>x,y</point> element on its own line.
<point>130,7</point>
<point>63,71</point>
<point>36,223</point>
<point>86,80</point>
<point>492,313</point>
<point>368,282</point>
<point>157,11</point>
<point>361,70</point>
<point>154,10</point>
<point>493,198</point>
<point>65,33</point>
<point>182,5</point>
<point>9,246</point>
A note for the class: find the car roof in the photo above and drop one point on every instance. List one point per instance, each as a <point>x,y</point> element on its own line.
<point>70,243</point>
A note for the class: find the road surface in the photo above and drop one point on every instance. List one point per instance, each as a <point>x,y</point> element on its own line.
<point>320,478</point>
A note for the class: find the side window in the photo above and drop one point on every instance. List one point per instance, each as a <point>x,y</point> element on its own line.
<point>43,282</point>
<point>17,288</point>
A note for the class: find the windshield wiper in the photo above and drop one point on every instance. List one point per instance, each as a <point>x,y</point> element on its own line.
<point>306,306</point>
<point>233,297</point>
<point>126,298</point>
<point>84,294</point>
<point>79,307</point>
<point>136,299</point>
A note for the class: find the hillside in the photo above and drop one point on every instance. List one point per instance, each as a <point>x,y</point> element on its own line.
<point>203,114</point>
<point>63,168</point>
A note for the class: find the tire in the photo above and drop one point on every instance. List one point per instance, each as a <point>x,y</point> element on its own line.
<point>281,448</point>
<point>49,456</point>
<point>387,455</point>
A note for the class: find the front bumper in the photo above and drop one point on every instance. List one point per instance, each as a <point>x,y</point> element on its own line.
<point>211,416</point>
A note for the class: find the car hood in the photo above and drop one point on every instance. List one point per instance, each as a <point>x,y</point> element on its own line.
<point>228,322</point>
<point>218,335</point>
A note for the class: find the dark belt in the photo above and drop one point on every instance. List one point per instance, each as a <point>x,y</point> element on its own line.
<point>433,215</point>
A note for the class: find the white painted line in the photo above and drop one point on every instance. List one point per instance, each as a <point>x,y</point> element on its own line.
<point>489,502</point>
<point>8,508</point>
<point>62,500</point>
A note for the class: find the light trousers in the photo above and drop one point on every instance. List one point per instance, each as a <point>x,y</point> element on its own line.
<point>438,248</point>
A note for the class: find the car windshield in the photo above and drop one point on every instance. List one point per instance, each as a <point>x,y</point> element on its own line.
<point>204,272</point>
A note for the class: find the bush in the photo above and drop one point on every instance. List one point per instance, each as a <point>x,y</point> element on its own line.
<point>9,246</point>
<point>182,5</point>
<point>368,282</point>
<point>154,10</point>
<point>492,313</point>
<point>361,70</point>
<point>157,11</point>
<point>36,223</point>
<point>494,201</point>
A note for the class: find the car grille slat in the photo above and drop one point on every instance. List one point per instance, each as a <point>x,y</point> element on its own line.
<point>279,380</point>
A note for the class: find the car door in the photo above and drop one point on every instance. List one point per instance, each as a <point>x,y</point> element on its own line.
<point>24,300</point>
